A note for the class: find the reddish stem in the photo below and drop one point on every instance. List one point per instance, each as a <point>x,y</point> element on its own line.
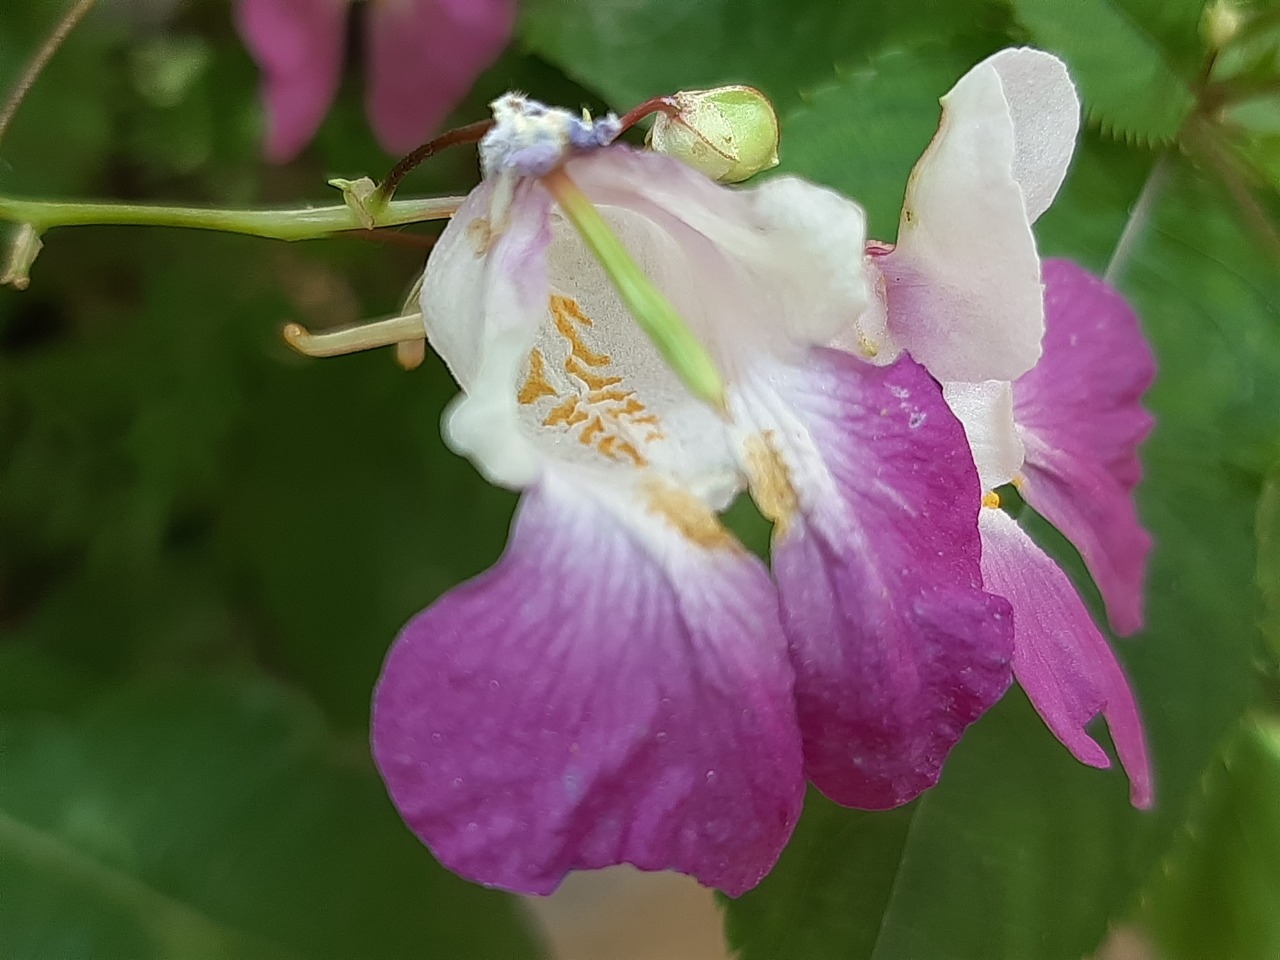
<point>471,133</point>
<point>665,105</point>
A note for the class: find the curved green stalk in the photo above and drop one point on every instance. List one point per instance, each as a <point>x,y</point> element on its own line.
<point>301,223</point>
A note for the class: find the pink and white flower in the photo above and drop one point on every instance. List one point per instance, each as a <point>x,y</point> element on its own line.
<point>421,57</point>
<point>628,684</point>
<point>1045,365</point>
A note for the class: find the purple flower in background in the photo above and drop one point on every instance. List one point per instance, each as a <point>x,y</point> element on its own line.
<point>1045,369</point>
<point>628,684</point>
<point>421,57</point>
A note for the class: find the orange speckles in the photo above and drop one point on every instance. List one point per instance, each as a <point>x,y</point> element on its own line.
<point>594,381</point>
<point>565,313</point>
<point>569,307</point>
<point>614,422</point>
<point>692,518</point>
<point>770,482</point>
<point>565,412</point>
<point>605,396</point>
<point>536,384</point>
<point>615,448</point>
<point>591,431</point>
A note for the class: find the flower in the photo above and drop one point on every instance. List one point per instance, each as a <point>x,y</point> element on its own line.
<point>627,684</point>
<point>422,57</point>
<point>1045,365</point>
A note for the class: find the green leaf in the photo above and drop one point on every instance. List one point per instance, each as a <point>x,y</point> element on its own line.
<point>631,51</point>
<point>1020,851</point>
<point>1268,576</point>
<point>863,132</point>
<point>1119,52</point>
<point>1216,892</point>
<point>218,819</point>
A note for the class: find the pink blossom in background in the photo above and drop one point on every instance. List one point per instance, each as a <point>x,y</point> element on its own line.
<point>421,57</point>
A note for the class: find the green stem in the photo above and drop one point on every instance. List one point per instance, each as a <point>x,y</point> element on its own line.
<point>652,311</point>
<point>302,223</point>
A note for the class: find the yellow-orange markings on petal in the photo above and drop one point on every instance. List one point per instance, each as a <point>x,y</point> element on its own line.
<point>594,381</point>
<point>566,412</point>
<point>536,384</point>
<point>692,518</point>
<point>770,481</point>
<point>564,313</point>
<point>591,430</point>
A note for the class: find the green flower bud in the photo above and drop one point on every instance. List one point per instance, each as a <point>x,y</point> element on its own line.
<point>729,133</point>
<point>1220,23</point>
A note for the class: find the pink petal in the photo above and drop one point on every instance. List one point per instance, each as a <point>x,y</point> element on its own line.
<point>1081,420</point>
<point>896,646</point>
<point>605,694</point>
<point>298,45</point>
<point>423,56</point>
<point>1060,658</point>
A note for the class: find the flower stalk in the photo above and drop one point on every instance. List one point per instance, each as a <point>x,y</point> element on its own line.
<point>654,313</point>
<point>300,223</point>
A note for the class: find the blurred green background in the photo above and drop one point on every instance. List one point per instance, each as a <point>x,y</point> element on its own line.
<point>207,543</point>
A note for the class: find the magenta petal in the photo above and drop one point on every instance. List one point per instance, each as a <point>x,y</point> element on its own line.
<point>1080,415</point>
<point>897,648</point>
<point>298,46</point>
<point>1060,659</point>
<point>582,704</point>
<point>423,56</point>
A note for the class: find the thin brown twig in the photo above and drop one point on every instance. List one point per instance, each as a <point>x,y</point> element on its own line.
<point>471,133</point>
<point>40,60</point>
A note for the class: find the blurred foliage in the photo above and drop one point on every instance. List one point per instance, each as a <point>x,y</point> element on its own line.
<point>1216,892</point>
<point>207,543</point>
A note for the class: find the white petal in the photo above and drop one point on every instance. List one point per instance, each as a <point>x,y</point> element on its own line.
<point>1046,119</point>
<point>963,282</point>
<point>483,300</point>
<point>779,264</point>
<point>986,411</point>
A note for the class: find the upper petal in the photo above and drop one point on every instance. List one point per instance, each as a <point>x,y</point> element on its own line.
<point>423,56</point>
<point>775,267</point>
<point>615,690</point>
<point>298,45</point>
<point>1081,419</point>
<point>896,646</point>
<point>963,282</point>
<point>1060,659</point>
<point>1045,111</point>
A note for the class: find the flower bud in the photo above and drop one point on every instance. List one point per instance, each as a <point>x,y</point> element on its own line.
<point>729,133</point>
<point>1220,23</point>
